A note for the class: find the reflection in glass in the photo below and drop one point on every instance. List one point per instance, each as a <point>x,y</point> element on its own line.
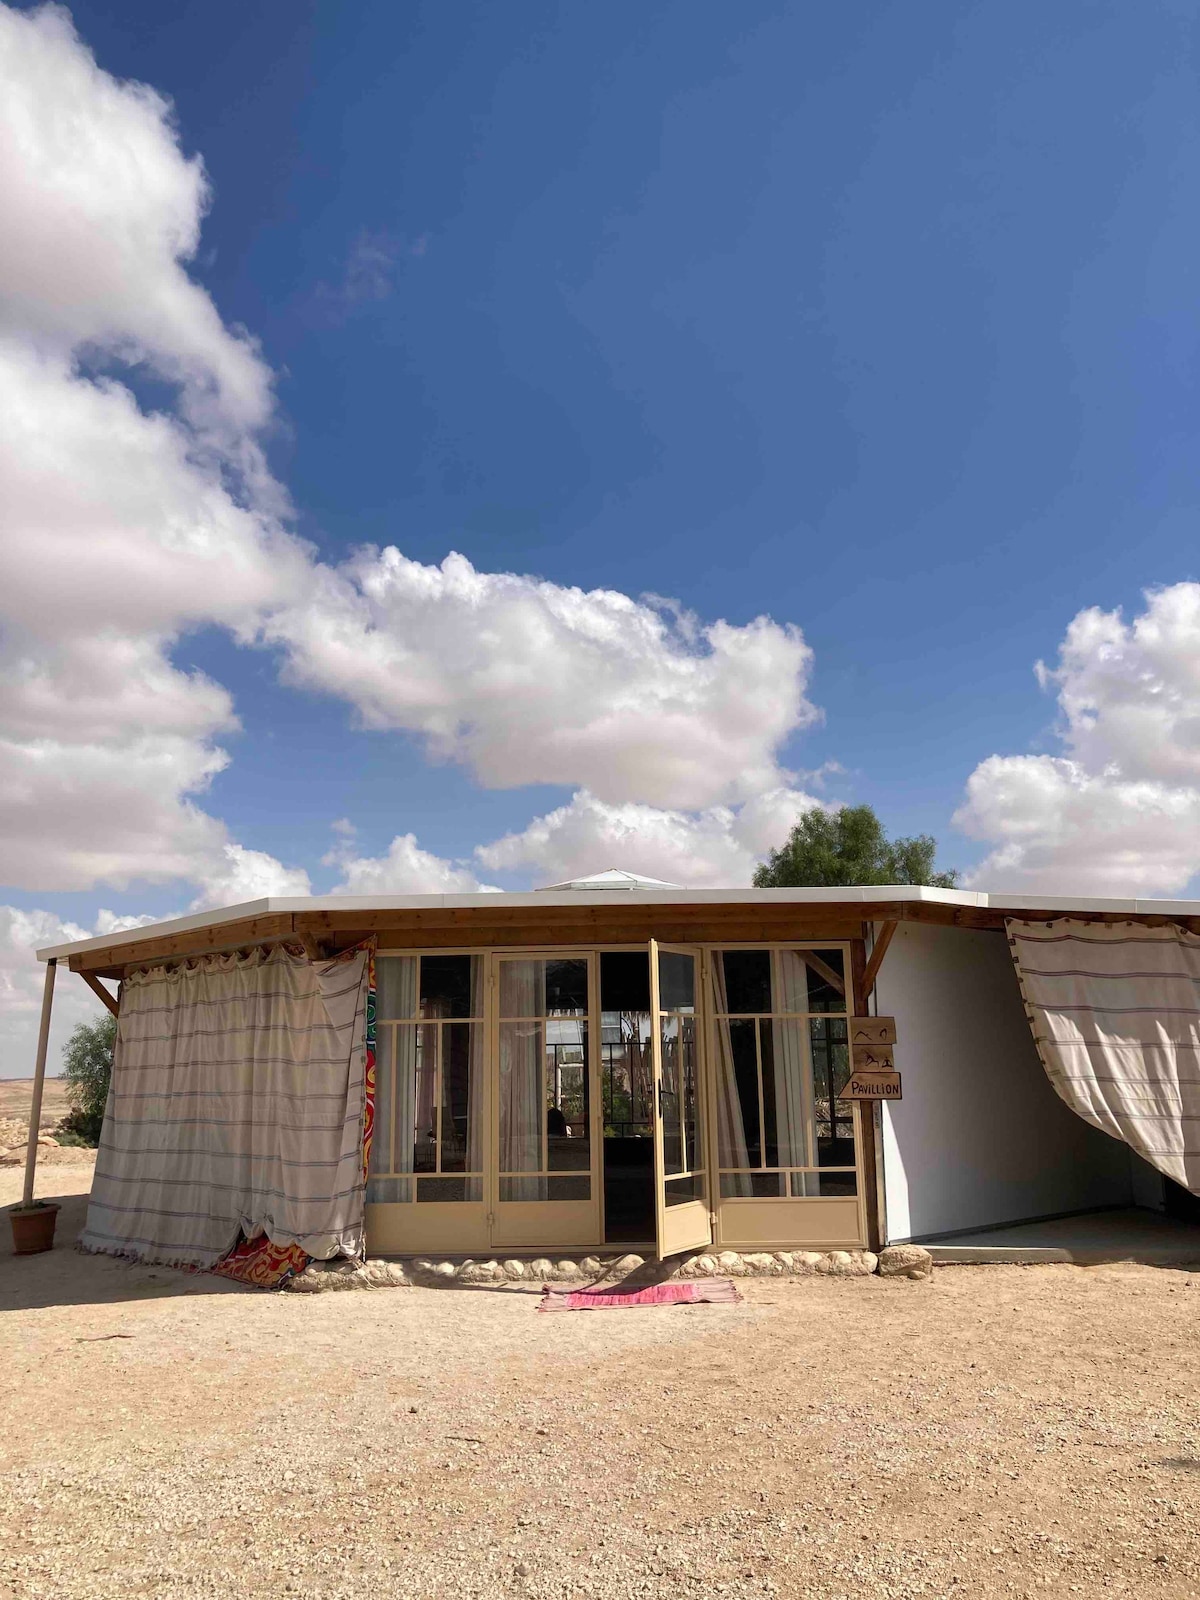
<point>747,975</point>
<point>448,986</point>
<point>676,981</point>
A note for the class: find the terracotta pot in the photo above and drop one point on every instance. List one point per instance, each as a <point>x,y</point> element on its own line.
<point>33,1228</point>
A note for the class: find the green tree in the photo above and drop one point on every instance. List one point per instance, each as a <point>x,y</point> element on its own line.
<point>849,846</point>
<point>87,1068</point>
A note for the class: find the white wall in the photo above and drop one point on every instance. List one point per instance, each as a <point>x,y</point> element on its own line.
<point>980,1137</point>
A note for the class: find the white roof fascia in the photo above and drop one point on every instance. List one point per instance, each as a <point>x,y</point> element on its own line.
<point>541,898</point>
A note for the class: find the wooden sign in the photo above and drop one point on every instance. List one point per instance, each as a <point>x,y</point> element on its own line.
<point>872,1030</point>
<point>872,1058</point>
<point>872,1084</point>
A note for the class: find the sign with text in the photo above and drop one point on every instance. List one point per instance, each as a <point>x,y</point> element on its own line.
<point>872,1084</point>
<point>872,1030</point>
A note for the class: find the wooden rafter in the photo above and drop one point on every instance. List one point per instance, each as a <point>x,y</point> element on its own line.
<point>98,989</point>
<point>876,961</point>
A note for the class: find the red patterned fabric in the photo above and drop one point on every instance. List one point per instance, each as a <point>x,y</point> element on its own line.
<point>713,1290</point>
<point>261,1263</point>
<point>369,1074</point>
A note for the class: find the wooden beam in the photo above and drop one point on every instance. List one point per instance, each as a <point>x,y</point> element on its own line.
<point>864,1111</point>
<point>822,969</point>
<point>311,948</point>
<point>101,993</point>
<point>874,964</point>
<point>39,1080</point>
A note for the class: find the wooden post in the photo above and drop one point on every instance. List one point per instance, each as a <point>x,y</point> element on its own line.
<point>39,1079</point>
<point>865,1110</point>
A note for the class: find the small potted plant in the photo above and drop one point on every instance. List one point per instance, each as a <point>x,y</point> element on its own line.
<point>33,1226</point>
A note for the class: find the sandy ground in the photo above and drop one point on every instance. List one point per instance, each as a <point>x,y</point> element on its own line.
<point>999,1431</point>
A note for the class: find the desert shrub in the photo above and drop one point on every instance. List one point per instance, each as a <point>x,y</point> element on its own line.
<point>87,1068</point>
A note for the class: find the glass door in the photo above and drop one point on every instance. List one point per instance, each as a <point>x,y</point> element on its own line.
<point>680,1180</point>
<point>546,1185</point>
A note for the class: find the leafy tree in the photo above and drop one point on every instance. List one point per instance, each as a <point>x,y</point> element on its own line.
<point>849,846</point>
<point>87,1067</point>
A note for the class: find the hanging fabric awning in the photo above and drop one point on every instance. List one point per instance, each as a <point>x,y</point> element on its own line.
<point>236,1108</point>
<point>1115,1013</point>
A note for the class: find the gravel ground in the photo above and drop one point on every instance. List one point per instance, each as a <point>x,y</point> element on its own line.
<point>999,1431</point>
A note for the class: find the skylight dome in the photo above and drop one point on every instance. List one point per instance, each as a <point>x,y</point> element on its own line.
<point>614,878</point>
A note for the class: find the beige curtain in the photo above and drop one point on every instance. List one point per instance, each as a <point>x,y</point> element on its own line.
<point>1115,1012</point>
<point>522,1097</point>
<point>795,1121</point>
<point>236,1103</point>
<point>390,1180</point>
<point>731,1131</point>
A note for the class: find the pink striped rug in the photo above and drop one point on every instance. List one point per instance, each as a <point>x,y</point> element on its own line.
<point>719,1291</point>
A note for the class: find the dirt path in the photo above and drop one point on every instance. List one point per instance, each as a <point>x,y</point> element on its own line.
<point>1001,1431</point>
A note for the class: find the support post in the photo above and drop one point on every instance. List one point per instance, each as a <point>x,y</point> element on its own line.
<point>878,952</point>
<point>864,1110</point>
<point>39,1079</point>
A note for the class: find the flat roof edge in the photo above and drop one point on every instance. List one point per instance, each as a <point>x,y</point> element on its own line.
<point>876,894</point>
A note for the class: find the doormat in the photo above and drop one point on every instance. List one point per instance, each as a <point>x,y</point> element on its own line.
<point>714,1291</point>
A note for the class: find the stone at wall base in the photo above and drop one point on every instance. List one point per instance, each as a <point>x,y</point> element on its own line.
<point>905,1261</point>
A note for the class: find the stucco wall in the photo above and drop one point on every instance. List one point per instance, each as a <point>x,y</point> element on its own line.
<point>980,1136</point>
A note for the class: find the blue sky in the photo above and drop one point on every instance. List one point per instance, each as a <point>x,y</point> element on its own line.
<point>881,320</point>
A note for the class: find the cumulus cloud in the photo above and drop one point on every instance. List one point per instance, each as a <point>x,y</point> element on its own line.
<point>526,681</point>
<point>405,869</point>
<point>1118,811</point>
<point>710,849</point>
<point>248,875</point>
<point>123,526</point>
<point>21,981</point>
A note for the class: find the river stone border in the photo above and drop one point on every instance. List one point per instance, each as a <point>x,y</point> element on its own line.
<point>906,1261</point>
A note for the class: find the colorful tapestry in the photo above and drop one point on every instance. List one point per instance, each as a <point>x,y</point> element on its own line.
<point>262,1264</point>
<point>369,1074</point>
<point>718,1291</point>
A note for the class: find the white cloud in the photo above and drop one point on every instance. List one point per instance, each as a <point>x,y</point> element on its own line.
<point>526,681</point>
<point>405,869</point>
<point>123,527</point>
<point>715,848</point>
<point>1118,812</point>
<point>21,981</point>
<point>249,875</point>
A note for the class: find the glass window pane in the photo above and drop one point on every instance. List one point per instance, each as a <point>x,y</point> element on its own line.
<point>425,1041</point>
<point>627,1072</point>
<point>566,988</point>
<point>459,1092</point>
<point>446,986</point>
<point>522,1103</point>
<point>573,1188</point>
<point>788,1093</point>
<point>672,1046</point>
<point>522,988</point>
<point>747,980</point>
<point>444,1189</point>
<point>769,1185</point>
<point>831,1069</point>
<point>823,995</point>
<point>568,1134</point>
<point>389,1191</point>
<point>735,1186</point>
<point>838,1183</point>
<point>406,1043</point>
<point>625,980</point>
<point>678,1191</point>
<point>676,981</point>
<point>395,987</point>
<point>738,1133</point>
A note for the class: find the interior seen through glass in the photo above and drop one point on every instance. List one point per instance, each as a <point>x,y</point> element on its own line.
<point>781,1059</point>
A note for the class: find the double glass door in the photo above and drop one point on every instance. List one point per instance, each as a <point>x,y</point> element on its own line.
<point>548,1123</point>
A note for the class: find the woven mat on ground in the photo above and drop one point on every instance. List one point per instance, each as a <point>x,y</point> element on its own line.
<point>260,1263</point>
<point>715,1290</point>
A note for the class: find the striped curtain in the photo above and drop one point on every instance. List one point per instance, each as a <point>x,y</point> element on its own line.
<point>1115,1013</point>
<point>236,1108</point>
